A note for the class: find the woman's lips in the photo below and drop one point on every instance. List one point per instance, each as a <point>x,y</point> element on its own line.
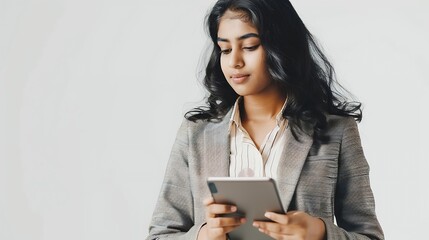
<point>239,78</point>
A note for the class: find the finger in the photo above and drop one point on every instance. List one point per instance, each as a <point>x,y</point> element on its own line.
<point>270,227</point>
<point>208,201</point>
<point>220,208</point>
<point>275,227</point>
<point>278,217</point>
<point>216,232</point>
<point>225,222</point>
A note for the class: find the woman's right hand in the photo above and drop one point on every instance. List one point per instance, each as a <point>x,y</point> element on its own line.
<point>217,227</point>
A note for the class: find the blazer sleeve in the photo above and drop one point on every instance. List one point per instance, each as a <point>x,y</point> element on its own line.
<point>173,215</point>
<point>354,200</point>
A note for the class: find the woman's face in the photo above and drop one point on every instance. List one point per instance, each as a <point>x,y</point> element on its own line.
<point>242,56</point>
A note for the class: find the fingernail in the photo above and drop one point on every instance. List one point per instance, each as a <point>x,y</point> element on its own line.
<point>268,215</point>
<point>255,224</point>
<point>243,220</point>
<point>233,208</point>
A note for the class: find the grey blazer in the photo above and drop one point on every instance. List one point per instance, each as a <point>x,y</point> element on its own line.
<point>325,180</point>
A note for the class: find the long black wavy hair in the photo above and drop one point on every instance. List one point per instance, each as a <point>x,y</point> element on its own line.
<point>295,63</point>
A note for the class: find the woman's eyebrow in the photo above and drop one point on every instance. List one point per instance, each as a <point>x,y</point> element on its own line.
<point>249,35</point>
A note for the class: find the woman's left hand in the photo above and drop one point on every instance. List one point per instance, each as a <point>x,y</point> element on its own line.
<point>292,225</point>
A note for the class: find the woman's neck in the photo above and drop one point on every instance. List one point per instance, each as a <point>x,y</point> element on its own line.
<point>261,108</point>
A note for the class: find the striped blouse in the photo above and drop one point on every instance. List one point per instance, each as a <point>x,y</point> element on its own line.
<point>246,160</point>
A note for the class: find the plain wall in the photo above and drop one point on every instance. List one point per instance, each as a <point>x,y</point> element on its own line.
<point>92,94</point>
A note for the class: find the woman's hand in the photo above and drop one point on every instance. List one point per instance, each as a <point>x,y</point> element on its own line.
<point>292,225</point>
<point>217,227</point>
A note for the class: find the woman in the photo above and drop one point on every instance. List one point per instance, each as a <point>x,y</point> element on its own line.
<point>272,111</point>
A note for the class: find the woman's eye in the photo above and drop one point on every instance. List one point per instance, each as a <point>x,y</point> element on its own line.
<point>252,47</point>
<point>225,51</point>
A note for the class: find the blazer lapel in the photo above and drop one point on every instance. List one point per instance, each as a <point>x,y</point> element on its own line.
<point>289,169</point>
<point>217,147</point>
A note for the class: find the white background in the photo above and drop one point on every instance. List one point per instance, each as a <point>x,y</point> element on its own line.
<point>92,94</point>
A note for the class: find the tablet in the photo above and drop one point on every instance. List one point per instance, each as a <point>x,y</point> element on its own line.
<point>253,197</point>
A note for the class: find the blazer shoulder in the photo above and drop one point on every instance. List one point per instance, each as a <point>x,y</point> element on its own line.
<point>338,124</point>
<point>190,128</point>
<point>196,129</point>
<point>198,125</point>
<point>339,120</point>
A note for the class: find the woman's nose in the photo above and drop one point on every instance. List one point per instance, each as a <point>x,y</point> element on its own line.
<point>236,59</point>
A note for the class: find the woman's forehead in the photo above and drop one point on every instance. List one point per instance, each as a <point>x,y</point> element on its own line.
<point>235,27</point>
<point>231,25</point>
